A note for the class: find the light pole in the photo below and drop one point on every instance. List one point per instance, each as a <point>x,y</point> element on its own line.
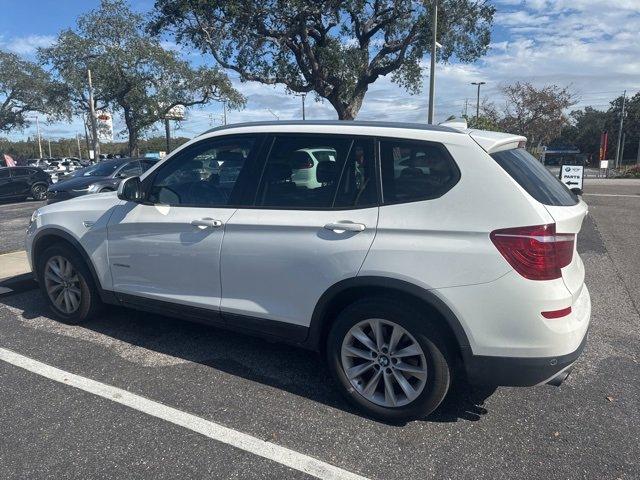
<point>432,73</point>
<point>624,101</point>
<point>304,96</point>
<point>94,122</point>
<point>479,84</point>
<point>39,138</point>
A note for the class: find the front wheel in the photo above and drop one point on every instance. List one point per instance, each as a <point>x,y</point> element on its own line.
<point>67,284</point>
<point>389,359</point>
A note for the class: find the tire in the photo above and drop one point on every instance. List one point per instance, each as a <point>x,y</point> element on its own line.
<point>83,289</point>
<point>39,191</point>
<point>431,369</point>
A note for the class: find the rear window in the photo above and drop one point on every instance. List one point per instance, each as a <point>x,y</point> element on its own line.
<point>535,178</point>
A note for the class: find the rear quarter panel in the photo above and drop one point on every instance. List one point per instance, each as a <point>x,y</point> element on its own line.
<point>445,242</point>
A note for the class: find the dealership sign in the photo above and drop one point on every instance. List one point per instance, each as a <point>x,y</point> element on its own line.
<point>572,175</point>
<point>104,126</point>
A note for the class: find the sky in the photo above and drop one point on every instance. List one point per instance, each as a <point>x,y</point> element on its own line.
<point>592,46</point>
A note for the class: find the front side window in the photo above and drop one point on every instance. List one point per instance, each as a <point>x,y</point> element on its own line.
<point>318,172</point>
<point>204,175</point>
<point>415,170</point>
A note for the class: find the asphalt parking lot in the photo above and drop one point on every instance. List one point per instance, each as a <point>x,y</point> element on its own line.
<point>14,218</point>
<point>587,428</point>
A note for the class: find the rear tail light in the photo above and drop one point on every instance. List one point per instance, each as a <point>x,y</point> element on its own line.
<point>537,252</point>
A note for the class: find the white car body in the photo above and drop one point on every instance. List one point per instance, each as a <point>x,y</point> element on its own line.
<point>278,266</point>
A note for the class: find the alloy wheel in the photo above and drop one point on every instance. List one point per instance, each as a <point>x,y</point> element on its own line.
<point>62,283</point>
<point>39,192</point>
<point>384,362</point>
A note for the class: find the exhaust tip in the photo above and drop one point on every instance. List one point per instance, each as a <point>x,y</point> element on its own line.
<point>559,378</point>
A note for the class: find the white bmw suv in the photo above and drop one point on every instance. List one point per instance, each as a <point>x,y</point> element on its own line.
<point>418,254</point>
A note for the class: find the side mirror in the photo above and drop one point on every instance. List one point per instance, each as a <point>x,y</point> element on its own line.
<point>576,191</point>
<point>130,189</point>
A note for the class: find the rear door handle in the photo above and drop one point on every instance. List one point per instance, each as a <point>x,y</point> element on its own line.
<point>206,223</point>
<point>345,227</point>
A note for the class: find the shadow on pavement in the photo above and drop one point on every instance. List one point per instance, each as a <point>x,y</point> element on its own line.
<point>289,368</point>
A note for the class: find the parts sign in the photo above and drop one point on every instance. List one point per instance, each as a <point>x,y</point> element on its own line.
<point>572,175</point>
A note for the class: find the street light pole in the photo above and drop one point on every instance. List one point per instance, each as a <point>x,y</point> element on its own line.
<point>479,84</point>
<point>167,131</point>
<point>94,123</point>
<point>624,101</point>
<point>432,73</point>
<point>304,95</point>
<point>39,139</point>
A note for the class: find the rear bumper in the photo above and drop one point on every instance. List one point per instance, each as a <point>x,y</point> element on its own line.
<point>517,371</point>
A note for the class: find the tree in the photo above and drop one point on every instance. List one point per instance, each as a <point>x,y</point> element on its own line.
<point>26,88</point>
<point>335,48</point>
<point>131,71</point>
<point>537,113</point>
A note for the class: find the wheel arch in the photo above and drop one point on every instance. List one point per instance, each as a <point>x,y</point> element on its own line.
<point>54,236</point>
<point>347,291</point>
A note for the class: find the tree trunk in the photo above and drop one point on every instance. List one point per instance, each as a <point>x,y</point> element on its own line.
<point>133,132</point>
<point>347,110</point>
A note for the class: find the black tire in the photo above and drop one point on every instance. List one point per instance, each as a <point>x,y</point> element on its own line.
<point>39,191</point>
<point>89,303</point>
<point>426,333</point>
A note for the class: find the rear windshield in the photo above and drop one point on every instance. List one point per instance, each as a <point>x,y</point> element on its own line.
<point>535,178</point>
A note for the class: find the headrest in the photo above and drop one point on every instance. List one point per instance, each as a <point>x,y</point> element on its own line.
<point>326,171</point>
<point>230,157</point>
<point>277,172</point>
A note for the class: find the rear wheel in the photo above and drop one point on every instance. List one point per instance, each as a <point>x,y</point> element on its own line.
<point>389,359</point>
<point>67,284</point>
<point>39,191</point>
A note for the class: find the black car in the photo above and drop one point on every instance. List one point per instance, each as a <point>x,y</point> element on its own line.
<point>23,182</point>
<point>104,176</point>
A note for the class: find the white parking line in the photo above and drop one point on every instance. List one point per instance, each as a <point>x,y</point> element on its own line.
<point>608,195</point>
<point>268,450</point>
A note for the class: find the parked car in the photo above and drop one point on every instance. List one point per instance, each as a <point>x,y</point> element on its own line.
<point>99,178</point>
<point>461,263</point>
<point>23,182</point>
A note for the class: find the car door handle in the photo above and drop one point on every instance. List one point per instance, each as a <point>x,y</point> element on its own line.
<point>345,227</point>
<point>206,223</point>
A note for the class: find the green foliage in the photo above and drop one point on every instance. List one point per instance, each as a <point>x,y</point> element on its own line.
<point>335,48</point>
<point>68,147</point>
<point>26,88</point>
<point>132,72</point>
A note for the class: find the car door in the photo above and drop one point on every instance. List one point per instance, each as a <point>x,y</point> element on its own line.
<point>297,240</point>
<point>5,182</point>
<point>168,247</point>
<point>20,181</point>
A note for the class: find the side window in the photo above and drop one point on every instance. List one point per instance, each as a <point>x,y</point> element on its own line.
<point>304,171</point>
<point>358,182</point>
<point>4,173</point>
<point>130,170</point>
<point>204,175</point>
<point>415,170</point>
<point>146,165</point>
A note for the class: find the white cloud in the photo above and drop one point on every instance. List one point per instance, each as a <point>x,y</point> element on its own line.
<point>26,45</point>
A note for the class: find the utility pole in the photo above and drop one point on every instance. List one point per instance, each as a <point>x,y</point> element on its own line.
<point>304,95</point>
<point>39,139</point>
<point>167,131</point>
<point>224,112</point>
<point>466,107</point>
<point>94,123</point>
<point>49,140</point>
<point>624,101</point>
<point>432,73</point>
<point>479,84</point>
